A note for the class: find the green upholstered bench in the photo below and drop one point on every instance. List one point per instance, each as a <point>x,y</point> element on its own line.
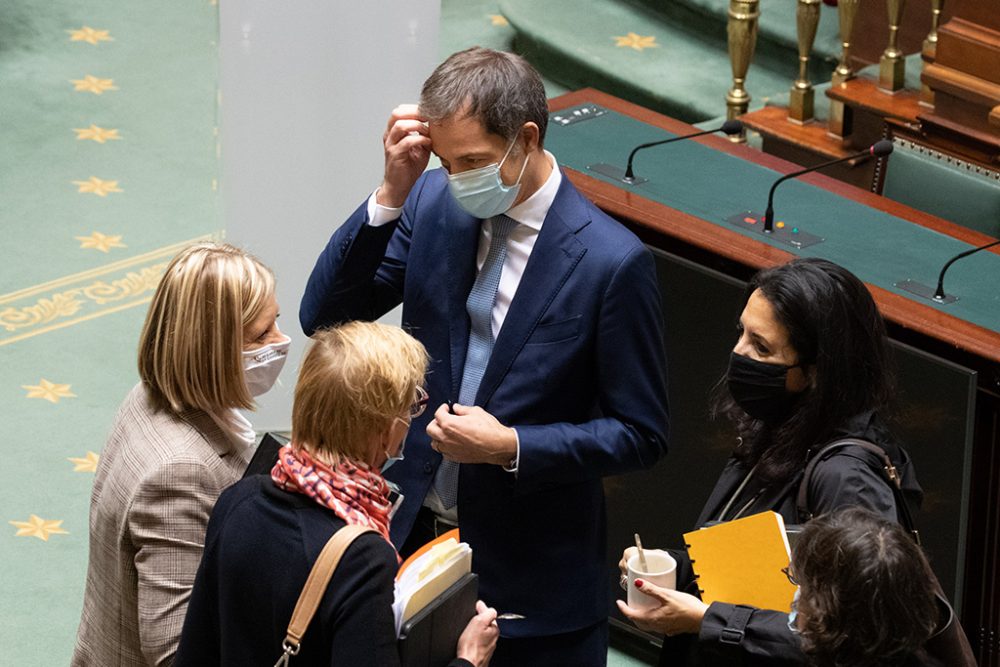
<point>941,185</point>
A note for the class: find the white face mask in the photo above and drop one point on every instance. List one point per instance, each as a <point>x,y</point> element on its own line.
<point>262,366</point>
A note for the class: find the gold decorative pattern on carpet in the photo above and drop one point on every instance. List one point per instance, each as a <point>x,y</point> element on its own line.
<point>84,296</point>
<point>498,20</point>
<point>99,241</point>
<point>97,186</point>
<point>38,527</point>
<point>87,463</point>
<point>93,84</point>
<point>634,41</point>
<point>94,133</point>
<point>89,35</point>
<point>48,391</point>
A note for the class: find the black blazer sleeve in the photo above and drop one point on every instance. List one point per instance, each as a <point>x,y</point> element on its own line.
<point>728,636</point>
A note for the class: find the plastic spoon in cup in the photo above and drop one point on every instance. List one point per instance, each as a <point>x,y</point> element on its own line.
<point>642,554</point>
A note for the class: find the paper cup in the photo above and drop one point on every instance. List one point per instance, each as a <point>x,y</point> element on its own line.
<point>662,572</point>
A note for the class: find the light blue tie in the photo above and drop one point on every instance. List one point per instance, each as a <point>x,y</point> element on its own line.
<point>480,308</point>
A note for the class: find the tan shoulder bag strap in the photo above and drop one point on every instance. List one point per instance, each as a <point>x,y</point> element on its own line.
<point>315,587</point>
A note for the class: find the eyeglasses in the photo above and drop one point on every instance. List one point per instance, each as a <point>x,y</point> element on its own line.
<point>420,404</point>
<point>788,573</point>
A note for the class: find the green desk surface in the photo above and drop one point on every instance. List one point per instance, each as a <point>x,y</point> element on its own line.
<point>879,248</point>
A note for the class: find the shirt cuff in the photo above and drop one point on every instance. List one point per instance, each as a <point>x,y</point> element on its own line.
<point>512,467</point>
<point>379,215</point>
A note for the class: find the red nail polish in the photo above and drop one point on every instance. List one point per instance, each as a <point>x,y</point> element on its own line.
<point>638,583</point>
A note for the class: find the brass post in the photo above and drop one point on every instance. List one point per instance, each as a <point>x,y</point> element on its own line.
<point>891,66</point>
<point>840,120</point>
<point>929,52</point>
<point>801,103</point>
<point>742,34</point>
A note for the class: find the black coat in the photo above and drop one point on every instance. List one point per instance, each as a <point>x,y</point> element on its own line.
<point>850,477</point>
<point>261,544</point>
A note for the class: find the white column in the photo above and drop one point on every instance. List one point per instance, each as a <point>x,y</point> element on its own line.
<point>306,89</point>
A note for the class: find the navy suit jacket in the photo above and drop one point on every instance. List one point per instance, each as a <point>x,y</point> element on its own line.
<point>578,369</point>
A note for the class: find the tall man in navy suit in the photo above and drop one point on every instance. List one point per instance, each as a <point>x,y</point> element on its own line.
<point>542,319</point>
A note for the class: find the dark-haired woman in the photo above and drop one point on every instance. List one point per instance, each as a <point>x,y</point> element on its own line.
<point>865,597</point>
<point>810,367</point>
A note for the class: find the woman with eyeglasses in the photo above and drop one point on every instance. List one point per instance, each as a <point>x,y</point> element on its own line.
<point>865,597</point>
<point>359,387</point>
<point>810,367</point>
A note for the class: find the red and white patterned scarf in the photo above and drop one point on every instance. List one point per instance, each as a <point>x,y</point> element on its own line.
<point>355,492</point>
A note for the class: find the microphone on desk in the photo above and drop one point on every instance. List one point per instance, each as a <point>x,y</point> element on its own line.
<point>879,149</point>
<point>730,127</point>
<point>939,292</point>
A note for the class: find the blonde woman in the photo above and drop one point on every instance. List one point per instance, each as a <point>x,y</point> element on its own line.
<point>358,390</point>
<point>209,345</point>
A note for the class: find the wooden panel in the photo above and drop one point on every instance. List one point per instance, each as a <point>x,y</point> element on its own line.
<point>863,93</point>
<point>773,122</point>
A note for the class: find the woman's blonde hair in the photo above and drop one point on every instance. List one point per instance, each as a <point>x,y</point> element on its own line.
<point>355,380</point>
<point>190,351</point>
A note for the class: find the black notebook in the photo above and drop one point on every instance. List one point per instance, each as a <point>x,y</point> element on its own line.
<point>430,637</point>
<point>266,455</point>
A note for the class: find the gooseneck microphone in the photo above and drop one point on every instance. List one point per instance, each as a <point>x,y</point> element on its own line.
<point>730,127</point>
<point>879,149</point>
<point>939,292</point>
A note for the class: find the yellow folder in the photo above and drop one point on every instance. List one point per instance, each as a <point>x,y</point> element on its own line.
<point>740,562</point>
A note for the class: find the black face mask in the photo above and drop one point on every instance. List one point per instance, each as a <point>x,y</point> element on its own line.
<point>759,388</point>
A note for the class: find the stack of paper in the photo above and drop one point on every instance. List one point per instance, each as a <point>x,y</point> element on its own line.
<point>741,562</point>
<point>428,573</point>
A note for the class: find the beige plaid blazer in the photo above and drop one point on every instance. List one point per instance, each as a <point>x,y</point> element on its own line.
<point>157,481</point>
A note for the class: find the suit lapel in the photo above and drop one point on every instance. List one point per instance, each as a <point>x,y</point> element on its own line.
<point>553,258</point>
<point>463,244</point>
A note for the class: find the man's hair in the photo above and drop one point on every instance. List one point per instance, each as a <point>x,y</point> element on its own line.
<point>355,380</point>
<point>865,591</point>
<point>500,89</point>
<point>190,350</point>
<point>834,325</point>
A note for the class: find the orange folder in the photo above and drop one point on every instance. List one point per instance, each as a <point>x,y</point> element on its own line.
<point>740,562</point>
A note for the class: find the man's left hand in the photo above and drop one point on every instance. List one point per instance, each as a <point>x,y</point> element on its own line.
<point>471,435</point>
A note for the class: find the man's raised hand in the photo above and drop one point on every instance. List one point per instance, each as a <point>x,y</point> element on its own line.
<point>407,150</point>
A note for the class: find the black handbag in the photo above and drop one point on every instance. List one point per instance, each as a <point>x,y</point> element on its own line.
<point>949,644</point>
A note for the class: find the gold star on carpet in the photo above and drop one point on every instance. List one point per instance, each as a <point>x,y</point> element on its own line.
<point>97,186</point>
<point>634,41</point>
<point>99,241</point>
<point>37,527</point>
<point>50,391</point>
<point>89,35</point>
<point>499,19</point>
<point>91,84</point>
<point>87,464</point>
<point>94,133</point>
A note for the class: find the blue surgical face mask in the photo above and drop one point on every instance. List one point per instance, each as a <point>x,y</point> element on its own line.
<point>481,193</point>
<point>794,613</point>
<point>390,459</point>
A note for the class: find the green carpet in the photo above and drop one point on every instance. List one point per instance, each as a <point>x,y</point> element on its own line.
<point>108,166</point>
